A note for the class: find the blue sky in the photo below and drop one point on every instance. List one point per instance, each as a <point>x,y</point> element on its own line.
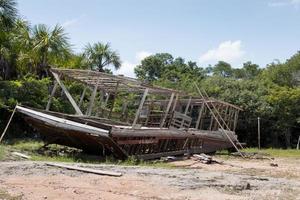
<point>204,31</point>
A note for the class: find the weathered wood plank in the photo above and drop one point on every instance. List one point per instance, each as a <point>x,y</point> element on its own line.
<point>87,170</point>
<point>69,96</point>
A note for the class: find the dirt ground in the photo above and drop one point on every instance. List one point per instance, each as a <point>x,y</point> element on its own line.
<point>235,179</point>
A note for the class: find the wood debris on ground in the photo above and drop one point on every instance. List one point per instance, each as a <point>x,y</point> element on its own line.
<point>206,159</point>
<point>87,170</point>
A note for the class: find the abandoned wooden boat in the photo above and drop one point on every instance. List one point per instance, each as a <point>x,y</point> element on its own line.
<point>166,122</point>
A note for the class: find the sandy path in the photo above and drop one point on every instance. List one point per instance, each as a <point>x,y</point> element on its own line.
<point>35,180</point>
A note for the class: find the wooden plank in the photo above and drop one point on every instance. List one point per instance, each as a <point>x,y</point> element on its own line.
<point>140,107</point>
<point>70,98</point>
<point>87,170</point>
<point>21,155</point>
<point>138,141</point>
<point>51,96</point>
<point>63,123</point>
<point>167,110</point>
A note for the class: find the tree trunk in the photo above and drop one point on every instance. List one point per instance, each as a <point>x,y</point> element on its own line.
<point>288,138</point>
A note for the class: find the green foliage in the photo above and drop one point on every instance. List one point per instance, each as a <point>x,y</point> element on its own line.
<point>27,91</point>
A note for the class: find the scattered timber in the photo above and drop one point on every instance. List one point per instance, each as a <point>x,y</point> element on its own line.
<point>21,155</point>
<point>205,159</point>
<point>87,170</point>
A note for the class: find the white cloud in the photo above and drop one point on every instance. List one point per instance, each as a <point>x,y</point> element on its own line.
<point>127,68</point>
<point>281,3</point>
<point>228,51</point>
<point>142,55</point>
<point>72,21</point>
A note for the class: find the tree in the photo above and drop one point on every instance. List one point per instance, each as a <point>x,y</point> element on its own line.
<point>249,71</point>
<point>151,68</point>
<point>101,55</point>
<point>222,69</point>
<point>8,14</point>
<point>49,44</point>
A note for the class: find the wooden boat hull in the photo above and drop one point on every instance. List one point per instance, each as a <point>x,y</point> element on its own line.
<point>102,138</point>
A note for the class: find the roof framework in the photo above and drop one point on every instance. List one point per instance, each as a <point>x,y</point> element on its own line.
<point>108,82</point>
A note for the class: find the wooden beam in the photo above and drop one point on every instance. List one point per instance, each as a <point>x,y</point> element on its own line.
<point>113,103</point>
<point>51,96</point>
<point>200,115</point>
<point>140,107</point>
<point>92,100</point>
<point>167,110</point>
<point>82,97</point>
<point>70,98</point>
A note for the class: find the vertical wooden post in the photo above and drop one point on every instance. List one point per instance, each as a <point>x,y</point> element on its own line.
<point>51,96</point>
<point>100,102</point>
<point>236,117</point>
<point>167,110</point>
<point>113,103</point>
<point>200,115</point>
<point>92,99</point>
<point>298,142</point>
<point>187,106</point>
<point>81,97</point>
<point>137,114</point>
<point>175,103</point>
<point>258,131</point>
<point>186,110</point>
<point>70,98</point>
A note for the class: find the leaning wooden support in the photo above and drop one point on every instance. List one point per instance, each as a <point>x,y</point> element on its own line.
<point>223,131</point>
<point>137,114</point>
<point>221,118</point>
<point>167,110</point>
<point>7,125</point>
<point>82,97</point>
<point>63,87</point>
<point>93,171</point>
<point>51,96</point>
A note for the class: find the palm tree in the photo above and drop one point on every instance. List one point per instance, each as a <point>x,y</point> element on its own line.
<point>8,13</point>
<point>49,44</point>
<point>101,55</point>
<point>8,16</point>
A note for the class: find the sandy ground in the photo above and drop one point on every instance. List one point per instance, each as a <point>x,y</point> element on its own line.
<point>189,180</point>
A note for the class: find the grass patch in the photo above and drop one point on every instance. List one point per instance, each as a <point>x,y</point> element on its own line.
<point>290,153</point>
<point>2,152</point>
<point>276,152</point>
<point>5,195</point>
<point>58,153</point>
